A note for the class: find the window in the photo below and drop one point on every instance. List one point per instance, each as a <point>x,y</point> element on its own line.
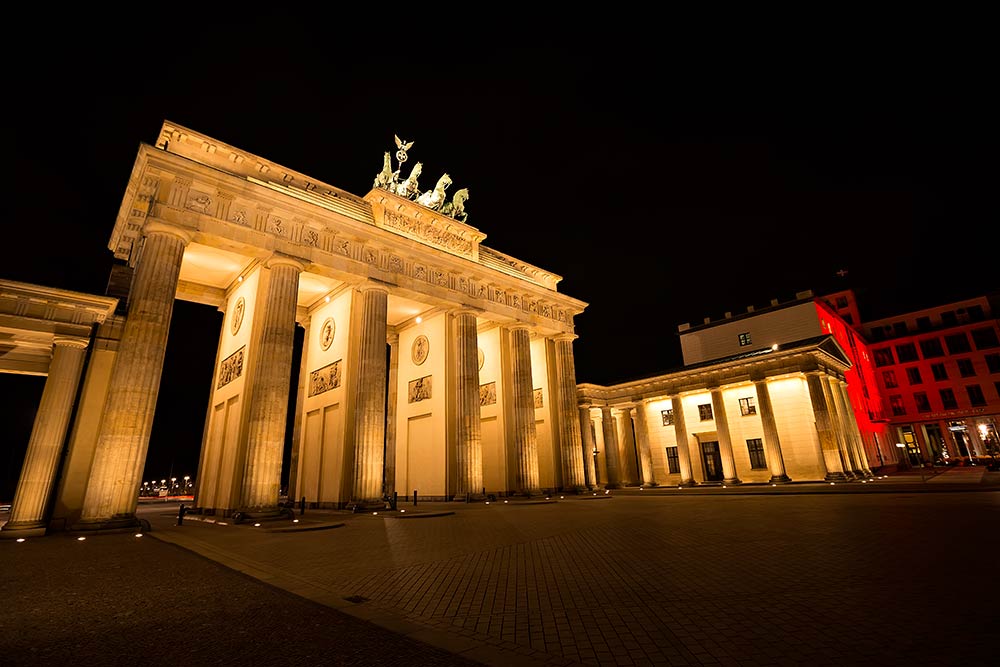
<point>965,368</point>
<point>949,318</point>
<point>923,403</point>
<point>756,448</point>
<point>985,339</point>
<point>841,302</point>
<point>948,399</point>
<point>896,403</point>
<point>923,323</point>
<point>940,374</point>
<point>957,343</point>
<point>747,406</point>
<point>673,465</point>
<point>877,335</point>
<point>975,394</point>
<point>889,378</point>
<point>705,411</point>
<point>745,339</point>
<point>976,313</point>
<point>883,357</point>
<point>931,347</point>
<point>993,362</point>
<point>906,352</point>
<point>899,328</point>
<point>668,417</point>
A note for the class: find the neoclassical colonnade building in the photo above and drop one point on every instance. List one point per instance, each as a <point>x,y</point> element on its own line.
<point>770,416</point>
<point>430,362</point>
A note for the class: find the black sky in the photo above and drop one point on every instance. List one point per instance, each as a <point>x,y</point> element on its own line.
<point>669,170</point>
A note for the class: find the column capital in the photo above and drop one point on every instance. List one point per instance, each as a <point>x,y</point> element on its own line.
<point>278,259</point>
<point>569,337</point>
<point>71,341</point>
<point>157,227</point>
<point>392,338</point>
<point>466,310</point>
<point>519,326</point>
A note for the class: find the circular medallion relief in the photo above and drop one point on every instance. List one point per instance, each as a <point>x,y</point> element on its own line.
<point>420,349</point>
<point>482,358</point>
<point>326,333</point>
<point>238,309</point>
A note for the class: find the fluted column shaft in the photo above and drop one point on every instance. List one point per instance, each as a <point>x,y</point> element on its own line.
<point>587,435</point>
<point>390,421</point>
<point>41,459</point>
<point>837,426</point>
<point>469,454</point>
<point>725,439</point>
<point>523,414</point>
<point>829,456</point>
<point>683,447</point>
<point>611,448</point>
<point>849,455</point>
<point>270,381</point>
<point>629,466</point>
<point>772,444</point>
<point>569,419</point>
<point>642,442</point>
<point>300,397</point>
<point>123,439</point>
<point>369,401</point>
<point>855,432</point>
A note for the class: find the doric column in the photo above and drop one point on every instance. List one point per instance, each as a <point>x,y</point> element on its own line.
<point>772,445</point>
<point>300,398</point>
<point>589,469</point>
<point>390,419</point>
<point>569,420</point>
<point>837,426</point>
<point>725,440</point>
<point>369,401</point>
<point>829,456</point>
<point>41,460</point>
<point>849,454</point>
<point>683,446</point>
<point>855,432</point>
<point>127,421</point>
<point>270,357</point>
<point>629,468</point>
<point>522,414</point>
<point>469,454</point>
<point>611,448</point>
<point>642,444</point>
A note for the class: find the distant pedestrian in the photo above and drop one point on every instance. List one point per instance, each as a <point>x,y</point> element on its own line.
<point>181,511</point>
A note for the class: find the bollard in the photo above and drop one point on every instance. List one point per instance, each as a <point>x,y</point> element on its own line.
<point>414,497</point>
<point>302,506</point>
<point>395,499</point>
<point>180,514</point>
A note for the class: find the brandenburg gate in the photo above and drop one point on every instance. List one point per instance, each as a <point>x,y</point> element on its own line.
<point>430,362</point>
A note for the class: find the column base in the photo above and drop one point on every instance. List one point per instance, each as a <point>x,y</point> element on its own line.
<point>612,485</point>
<point>262,514</point>
<point>836,477</point>
<point>120,524</point>
<point>732,480</point>
<point>14,530</point>
<point>688,483</point>
<point>780,479</point>
<point>650,485</point>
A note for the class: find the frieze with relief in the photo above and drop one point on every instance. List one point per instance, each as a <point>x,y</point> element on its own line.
<point>538,398</point>
<point>428,233</point>
<point>488,393</point>
<point>325,379</point>
<point>231,368</point>
<point>419,389</point>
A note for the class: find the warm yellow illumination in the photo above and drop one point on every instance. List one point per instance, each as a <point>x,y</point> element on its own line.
<point>223,523</point>
<point>327,299</point>
<point>774,348</point>
<point>240,279</point>
<point>80,539</point>
<point>295,520</point>
<point>374,513</point>
<point>20,539</point>
<point>419,319</point>
<point>256,525</point>
<point>505,502</point>
<point>832,483</point>
<point>487,502</point>
<point>138,534</point>
<point>404,511</point>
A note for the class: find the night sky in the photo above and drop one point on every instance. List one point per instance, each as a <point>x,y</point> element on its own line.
<point>669,172</point>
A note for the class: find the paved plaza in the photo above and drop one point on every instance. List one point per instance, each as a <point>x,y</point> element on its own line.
<point>898,572</point>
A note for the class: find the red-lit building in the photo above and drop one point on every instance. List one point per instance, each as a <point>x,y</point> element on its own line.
<point>938,370</point>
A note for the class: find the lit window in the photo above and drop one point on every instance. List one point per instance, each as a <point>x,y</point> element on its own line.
<point>705,411</point>
<point>745,339</point>
<point>668,417</point>
<point>889,379</point>
<point>896,403</point>
<point>673,465</point>
<point>747,406</point>
<point>755,447</point>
